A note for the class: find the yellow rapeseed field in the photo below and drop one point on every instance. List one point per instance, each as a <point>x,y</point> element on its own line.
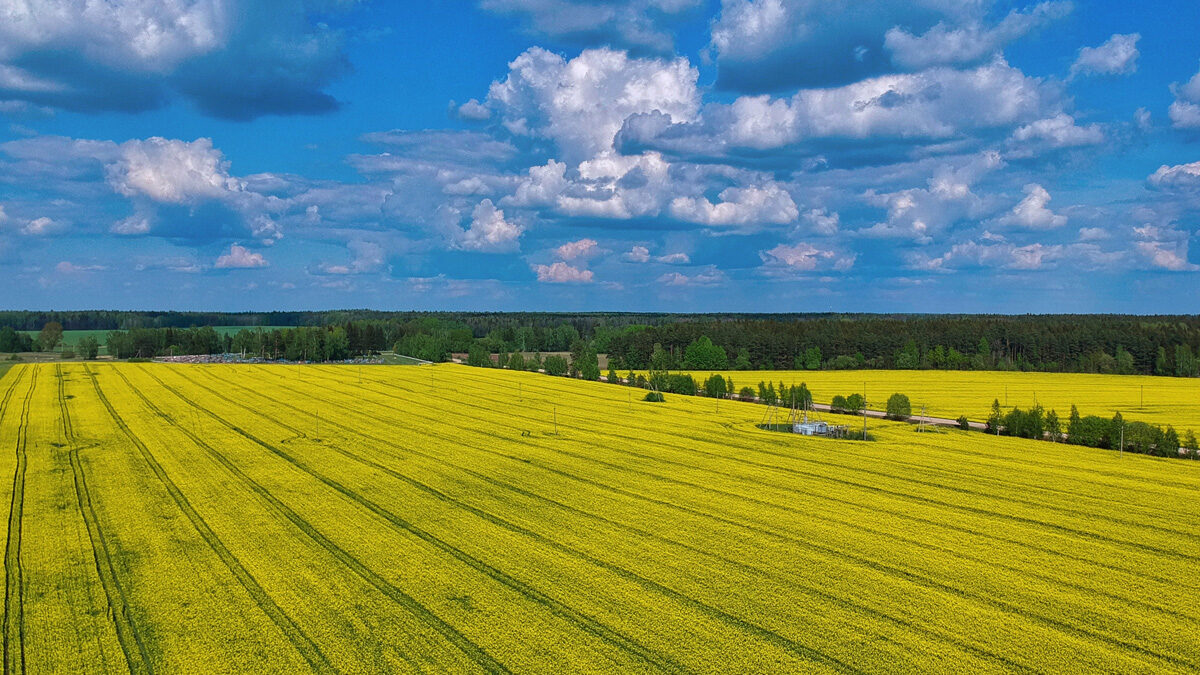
<point>949,393</point>
<point>206,518</point>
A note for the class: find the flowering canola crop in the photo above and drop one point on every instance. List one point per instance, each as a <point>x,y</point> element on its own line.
<point>231,518</point>
<point>950,393</point>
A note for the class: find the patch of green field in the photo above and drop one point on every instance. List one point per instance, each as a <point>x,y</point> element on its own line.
<point>325,519</point>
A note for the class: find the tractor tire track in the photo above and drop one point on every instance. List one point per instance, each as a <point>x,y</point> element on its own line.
<point>899,494</point>
<point>910,575</point>
<point>303,644</point>
<point>14,577</point>
<point>136,657</point>
<point>881,474</point>
<point>824,497</point>
<point>503,577</point>
<point>464,644</point>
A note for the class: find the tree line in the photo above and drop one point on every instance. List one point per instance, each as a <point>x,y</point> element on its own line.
<point>1161,345</point>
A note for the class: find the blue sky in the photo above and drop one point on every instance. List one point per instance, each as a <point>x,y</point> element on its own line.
<point>683,155</point>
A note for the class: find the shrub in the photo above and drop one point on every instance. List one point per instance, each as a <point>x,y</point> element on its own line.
<point>964,423</point>
<point>612,377</point>
<point>898,407</point>
<point>68,354</point>
<point>746,394</point>
<point>654,397</point>
<point>838,404</point>
<point>555,365</point>
<point>855,403</point>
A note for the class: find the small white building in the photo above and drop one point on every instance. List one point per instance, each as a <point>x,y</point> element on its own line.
<point>811,428</point>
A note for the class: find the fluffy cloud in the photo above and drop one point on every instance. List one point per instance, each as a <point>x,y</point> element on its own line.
<point>802,257</point>
<point>583,248</point>
<point>233,58</point>
<point>239,257</point>
<point>1183,177</point>
<point>132,225</point>
<point>1031,212</point>
<point>936,104</point>
<point>923,213</point>
<point>40,227</point>
<point>562,273</point>
<point>947,44</point>
<point>1185,111</point>
<point>637,254</point>
<point>1059,131</point>
<point>489,231</point>
<point>1164,248</point>
<point>172,171</point>
<point>1003,255</point>
<point>367,256</point>
<point>739,206</point>
<point>1117,56</point>
<point>821,221</point>
<point>709,276</point>
<point>580,104</point>
<point>769,45</point>
<point>618,187</point>
<point>635,24</point>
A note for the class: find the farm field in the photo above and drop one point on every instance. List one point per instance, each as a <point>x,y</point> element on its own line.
<point>234,518</point>
<point>950,393</point>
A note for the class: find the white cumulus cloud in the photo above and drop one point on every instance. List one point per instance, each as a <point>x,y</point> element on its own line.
<point>239,257</point>
<point>1117,56</point>
<point>562,273</point>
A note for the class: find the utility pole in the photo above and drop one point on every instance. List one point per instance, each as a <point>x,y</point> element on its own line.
<point>555,420</point>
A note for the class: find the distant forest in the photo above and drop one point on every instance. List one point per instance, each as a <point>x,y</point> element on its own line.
<point>1164,345</point>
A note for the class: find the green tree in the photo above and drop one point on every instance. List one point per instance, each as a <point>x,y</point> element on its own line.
<point>613,377</point>
<point>555,365</point>
<point>51,335</point>
<point>909,357</point>
<point>1161,367</point>
<point>742,361</point>
<point>838,404</point>
<point>479,357</point>
<point>1124,361</point>
<point>1053,427</point>
<point>1169,445</point>
<point>812,358</point>
<point>993,420</point>
<point>964,423</point>
<point>1185,361</point>
<point>714,386</point>
<point>516,361</point>
<point>702,354</point>
<point>1189,442</point>
<point>855,403</point>
<point>898,407</point>
<point>337,345</point>
<point>746,394</point>
<point>89,347</point>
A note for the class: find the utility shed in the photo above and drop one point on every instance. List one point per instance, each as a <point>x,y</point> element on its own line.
<point>811,428</point>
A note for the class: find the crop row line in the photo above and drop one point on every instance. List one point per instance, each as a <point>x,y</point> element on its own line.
<point>911,574</point>
<point>684,434</point>
<point>850,523</point>
<point>472,650</point>
<point>307,648</point>
<point>114,592</point>
<point>14,586</point>
<point>744,478</point>
<point>734,621</point>
<point>881,567</point>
